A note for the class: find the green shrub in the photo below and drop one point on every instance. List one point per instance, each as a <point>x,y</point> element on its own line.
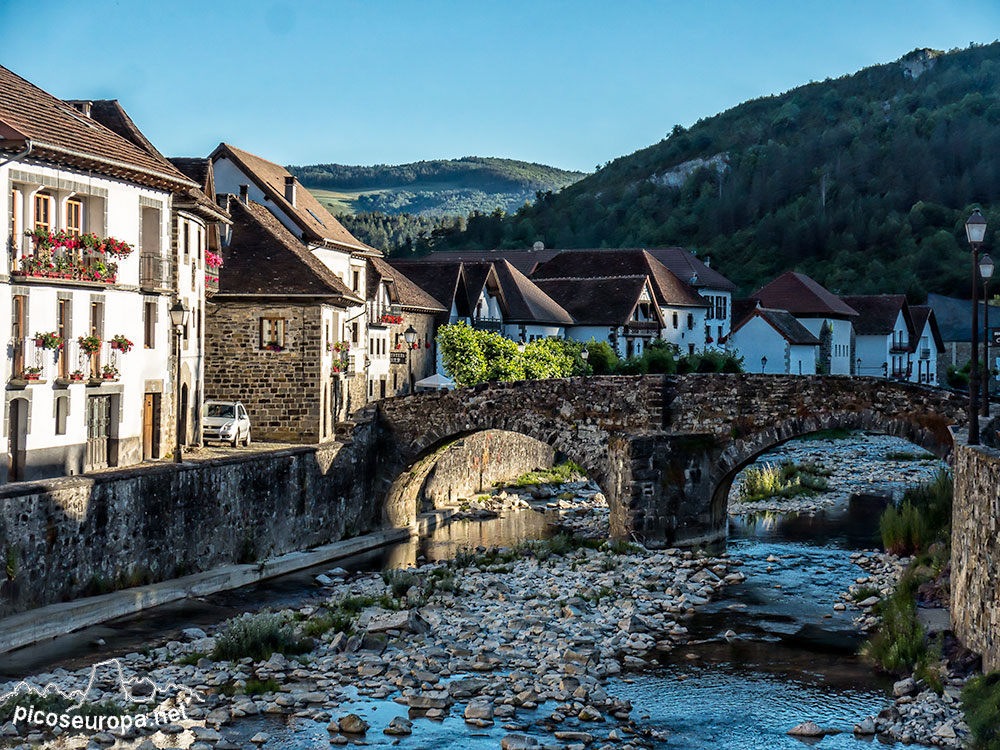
<point>258,636</point>
<point>904,530</point>
<point>399,581</point>
<point>922,518</point>
<point>981,704</point>
<point>786,480</point>
<point>601,357</point>
<point>191,659</point>
<point>899,643</point>
<point>338,622</point>
<point>256,687</point>
<point>567,471</point>
<point>632,366</point>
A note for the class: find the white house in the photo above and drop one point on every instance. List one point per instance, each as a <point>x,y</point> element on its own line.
<point>621,310</point>
<point>824,315</point>
<point>773,341</point>
<point>925,345</point>
<point>89,361</point>
<point>709,283</point>
<point>883,331</point>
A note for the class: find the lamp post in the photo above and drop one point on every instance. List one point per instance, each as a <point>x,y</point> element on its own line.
<point>763,364</point>
<point>986,271</point>
<point>178,318</point>
<point>857,369</point>
<point>975,231</point>
<point>410,336</point>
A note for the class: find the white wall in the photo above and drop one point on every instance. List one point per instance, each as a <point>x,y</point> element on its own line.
<point>873,351</point>
<point>758,339</point>
<point>683,334</point>
<point>840,353</point>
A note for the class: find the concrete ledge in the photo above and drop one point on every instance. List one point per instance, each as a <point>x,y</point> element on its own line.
<point>25,628</point>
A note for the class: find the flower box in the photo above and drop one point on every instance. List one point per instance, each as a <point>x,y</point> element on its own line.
<point>121,343</point>
<point>76,377</point>
<point>32,376</point>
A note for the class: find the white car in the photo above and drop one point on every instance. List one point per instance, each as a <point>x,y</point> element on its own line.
<point>226,421</point>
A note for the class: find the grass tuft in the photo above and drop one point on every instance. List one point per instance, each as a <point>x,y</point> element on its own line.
<point>981,704</point>
<point>258,636</point>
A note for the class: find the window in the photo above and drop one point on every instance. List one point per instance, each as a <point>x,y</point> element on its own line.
<point>149,315</point>
<point>187,242</point>
<point>18,326</point>
<point>691,349</point>
<point>356,281</point>
<point>43,211</point>
<point>354,333</point>
<point>272,332</point>
<point>675,320</point>
<point>15,213</point>
<point>96,329</point>
<point>690,322</point>
<point>62,411</point>
<point>720,333</point>
<point>722,311</point>
<point>74,217</point>
<point>63,330</point>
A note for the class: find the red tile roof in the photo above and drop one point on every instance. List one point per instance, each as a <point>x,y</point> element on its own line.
<point>877,313</point>
<point>802,297</point>
<point>59,133</point>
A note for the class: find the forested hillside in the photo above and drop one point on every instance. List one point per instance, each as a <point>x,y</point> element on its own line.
<point>863,182</point>
<point>444,187</point>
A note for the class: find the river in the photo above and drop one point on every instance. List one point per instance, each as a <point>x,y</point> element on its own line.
<point>792,658</point>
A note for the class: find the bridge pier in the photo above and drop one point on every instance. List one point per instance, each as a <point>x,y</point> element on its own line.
<point>662,490</point>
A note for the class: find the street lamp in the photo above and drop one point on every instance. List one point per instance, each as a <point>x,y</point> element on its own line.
<point>975,231</point>
<point>857,370</point>
<point>763,363</point>
<point>986,271</point>
<point>410,335</point>
<point>178,318</point>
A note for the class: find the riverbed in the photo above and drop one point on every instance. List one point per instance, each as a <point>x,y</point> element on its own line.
<point>763,655</point>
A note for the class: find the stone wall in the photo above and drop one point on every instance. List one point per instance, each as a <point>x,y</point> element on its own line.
<point>474,464</point>
<point>281,390</point>
<point>975,552</point>
<point>70,537</point>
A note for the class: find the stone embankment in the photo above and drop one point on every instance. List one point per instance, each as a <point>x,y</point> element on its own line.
<point>525,638</point>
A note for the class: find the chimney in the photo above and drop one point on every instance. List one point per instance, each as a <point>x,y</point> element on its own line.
<point>83,107</point>
<point>707,261</point>
<point>290,189</point>
<point>245,195</point>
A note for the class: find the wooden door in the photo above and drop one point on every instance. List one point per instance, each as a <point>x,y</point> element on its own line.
<point>147,427</point>
<point>98,431</point>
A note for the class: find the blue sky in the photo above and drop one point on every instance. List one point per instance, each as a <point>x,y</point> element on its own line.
<point>571,84</point>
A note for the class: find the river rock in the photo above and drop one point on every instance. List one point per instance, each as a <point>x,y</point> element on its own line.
<point>806,729</point>
<point>479,710</point>
<point>260,738</point>
<point>407,621</point>
<point>904,687</point>
<point>398,726</point>
<point>352,724</point>
<point>866,727</point>
<point>430,699</point>
<point>518,742</point>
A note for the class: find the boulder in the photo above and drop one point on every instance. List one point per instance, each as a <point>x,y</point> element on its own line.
<point>398,726</point>
<point>352,724</point>
<point>865,728</point>
<point>904,687</point>
<point>407,621</point>
<point>429,699</point>
<point>518,742</point>
<point>806,729</point>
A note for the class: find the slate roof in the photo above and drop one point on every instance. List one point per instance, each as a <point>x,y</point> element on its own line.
<point>439,280</point>
<point>954,317</point>
<point>316,223</point>
<point>683,264</point>
<point>59,133</point>
<point>524,260</point>
<point>783,322</point>
<point>877,313</point>
<point>401,289</point>
<point>584,264</point>
<point>263,258</point>
<point>526,302</point>
<point>921,316</point>
<point>801,296</point>
<point>200,170</point>
<point>597,301</point>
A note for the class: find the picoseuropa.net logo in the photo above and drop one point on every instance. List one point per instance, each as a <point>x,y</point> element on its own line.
<point>51,706</point>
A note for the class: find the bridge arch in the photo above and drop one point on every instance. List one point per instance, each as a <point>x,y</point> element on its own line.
<point>741,452</point>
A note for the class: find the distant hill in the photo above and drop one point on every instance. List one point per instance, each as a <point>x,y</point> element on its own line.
<point>443,187</point>
<point>863,182</point>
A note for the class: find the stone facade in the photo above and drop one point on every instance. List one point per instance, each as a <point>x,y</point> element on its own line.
<point>281,390</point>
<point>665,449</point>
<point>421,358</point>
<point>71,537</point>
<point>975,552</point>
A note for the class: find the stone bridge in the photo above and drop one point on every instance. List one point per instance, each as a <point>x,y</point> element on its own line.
<point>663,448</point>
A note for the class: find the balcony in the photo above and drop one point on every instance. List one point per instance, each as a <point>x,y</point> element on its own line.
<point>156,272</point>
<point>380,316</point>
<point>65,266</point>
<point>642,328</point>
<point>488,324</point>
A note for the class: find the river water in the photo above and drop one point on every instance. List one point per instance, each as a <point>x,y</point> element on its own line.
<point>792,658</point>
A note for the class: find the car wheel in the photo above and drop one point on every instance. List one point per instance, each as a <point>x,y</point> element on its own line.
<point>236,439</point>
<point>247,441</point>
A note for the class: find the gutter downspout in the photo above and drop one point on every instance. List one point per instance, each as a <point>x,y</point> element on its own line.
<point>28,146</point>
